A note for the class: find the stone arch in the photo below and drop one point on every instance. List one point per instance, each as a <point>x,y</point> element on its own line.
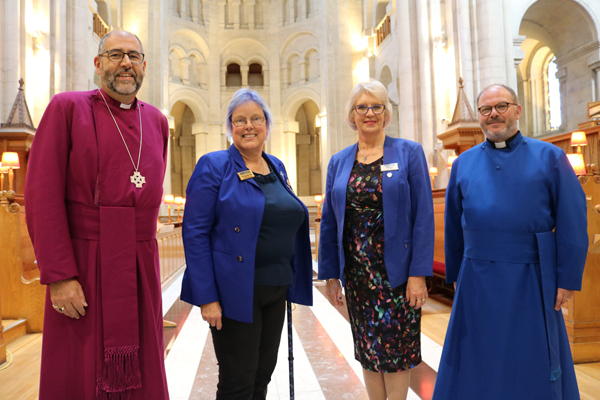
<point>308,150</point>
<point>183,147</point>
<point>386,77</point>
<point>379,11</point>
<point>568,30</point>
<point>176,55</point>
<point>191,38</point>
<point>311,64</point>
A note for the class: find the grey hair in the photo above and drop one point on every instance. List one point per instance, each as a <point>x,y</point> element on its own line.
<point>374,88</point>
<point>514,96</point>
<point>103,40</point>
<point>243,96</point>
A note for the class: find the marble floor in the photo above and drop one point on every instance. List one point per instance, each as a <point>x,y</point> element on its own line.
<point>324,365</point>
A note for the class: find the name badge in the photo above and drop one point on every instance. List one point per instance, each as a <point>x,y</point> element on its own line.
<point>245,175</point>
<point>389,167</point>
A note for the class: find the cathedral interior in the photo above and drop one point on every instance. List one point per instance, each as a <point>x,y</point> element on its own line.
<point>303,57</point>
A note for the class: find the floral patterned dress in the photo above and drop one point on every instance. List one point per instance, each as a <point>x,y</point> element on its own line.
<point>385,328</point>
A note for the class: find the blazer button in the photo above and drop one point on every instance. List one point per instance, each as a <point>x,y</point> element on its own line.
<point>239,258</point>
<point>236,229</point>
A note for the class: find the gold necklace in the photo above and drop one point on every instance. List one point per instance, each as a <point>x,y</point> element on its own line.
<point>137,179</point>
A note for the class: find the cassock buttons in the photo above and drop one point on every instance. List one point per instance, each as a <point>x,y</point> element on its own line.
<point>497,167</point>
<point>389,174</point>
<point>236,229</point>
<point>239,258</point>
<point>130,126</point>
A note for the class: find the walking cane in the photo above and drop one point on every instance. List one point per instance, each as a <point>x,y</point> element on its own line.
<point>290,349</point>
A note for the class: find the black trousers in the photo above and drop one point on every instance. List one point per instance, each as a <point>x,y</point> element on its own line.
<point>247,352</point>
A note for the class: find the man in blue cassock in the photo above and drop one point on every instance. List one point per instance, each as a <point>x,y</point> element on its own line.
<point>516,244</point>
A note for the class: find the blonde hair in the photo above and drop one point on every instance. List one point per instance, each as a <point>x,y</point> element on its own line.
<point>374,88</point>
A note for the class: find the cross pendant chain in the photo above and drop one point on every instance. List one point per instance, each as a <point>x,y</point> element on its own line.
<point>137,179</point>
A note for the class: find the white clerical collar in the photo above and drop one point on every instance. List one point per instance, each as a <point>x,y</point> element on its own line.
<point>126,106</point>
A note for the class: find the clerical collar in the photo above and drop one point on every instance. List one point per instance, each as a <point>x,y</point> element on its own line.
<point>502,145</point>
<point>116,103</point>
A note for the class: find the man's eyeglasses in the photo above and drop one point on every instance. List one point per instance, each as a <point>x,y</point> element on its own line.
<point>501,108</point>
<point>117,56</point>
<point>363,109</point>
<point>256,121</point>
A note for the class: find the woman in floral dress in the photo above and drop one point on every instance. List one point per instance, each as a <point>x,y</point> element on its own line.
<point>377,235</point>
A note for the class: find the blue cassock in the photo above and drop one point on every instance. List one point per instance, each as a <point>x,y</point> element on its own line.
<point>504,339</point>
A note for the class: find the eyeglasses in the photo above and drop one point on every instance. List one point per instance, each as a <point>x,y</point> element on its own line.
<point>256,121</point>
<point>501,108</point>
<point>117,56</point>
<point>363,109</point>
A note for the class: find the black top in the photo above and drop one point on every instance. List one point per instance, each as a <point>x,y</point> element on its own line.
<point>276,243</point>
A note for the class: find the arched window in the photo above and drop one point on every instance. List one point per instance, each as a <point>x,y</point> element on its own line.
<point>234,75</point>
<point>553,90</point>
<point>255,75</point>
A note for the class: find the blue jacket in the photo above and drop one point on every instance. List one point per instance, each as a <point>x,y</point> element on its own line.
<point>407,213</point>
<point>223,215</point>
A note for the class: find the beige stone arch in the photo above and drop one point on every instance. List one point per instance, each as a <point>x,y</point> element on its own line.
<point>312,66</point>
<point>569,30</point>
<point>302,141</point>
<point>387,78</point>
<point>522,7</point>
<point>200,111</point>
<point>176,70</point>
<point>193,37</point>
<point>293,37</point>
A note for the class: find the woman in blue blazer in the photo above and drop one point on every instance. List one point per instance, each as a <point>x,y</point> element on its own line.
<point>377,235</point>
<point>247,249</point>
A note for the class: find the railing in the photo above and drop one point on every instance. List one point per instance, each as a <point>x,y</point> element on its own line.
<point>383,30</point>
<point>170,250</point>
<point>100,28</point>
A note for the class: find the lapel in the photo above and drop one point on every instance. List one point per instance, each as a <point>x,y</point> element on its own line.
<point>239,165</point>
<point>341,184</point>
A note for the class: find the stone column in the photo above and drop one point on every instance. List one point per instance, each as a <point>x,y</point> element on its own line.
<point>244,71</point>
<point>594,65</point>
<point>561,74</point>
<point>235,10</point>
<point>290,129</point>
<point>223,77</point>
<point>290,14</point>
<point>200,133</point>
<point>250,4</point>
<point>490,42</point>
<point>427,131</point>
<point>302,66</point>
<point>185,70</point>
<point>266,77</point>
<point>285,75</point>
<point>465,40</point>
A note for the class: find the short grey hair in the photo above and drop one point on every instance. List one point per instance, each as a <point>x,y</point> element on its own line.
<point>101,48</point>
<point>514,96</point>
<point>371,87</point>
<point>243,96</point>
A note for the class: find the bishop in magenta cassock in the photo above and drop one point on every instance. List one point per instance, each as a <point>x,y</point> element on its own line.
<point>93,191</point>
<point>516,244</point>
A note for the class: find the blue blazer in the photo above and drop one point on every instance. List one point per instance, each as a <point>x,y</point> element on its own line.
<point>407,213</point>
<point>223,215</point>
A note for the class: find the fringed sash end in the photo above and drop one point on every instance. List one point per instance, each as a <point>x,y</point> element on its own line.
<point>121,371</point>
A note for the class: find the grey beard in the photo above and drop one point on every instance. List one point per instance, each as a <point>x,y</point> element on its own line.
<point>109,79</point>
<point>508,131</point>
